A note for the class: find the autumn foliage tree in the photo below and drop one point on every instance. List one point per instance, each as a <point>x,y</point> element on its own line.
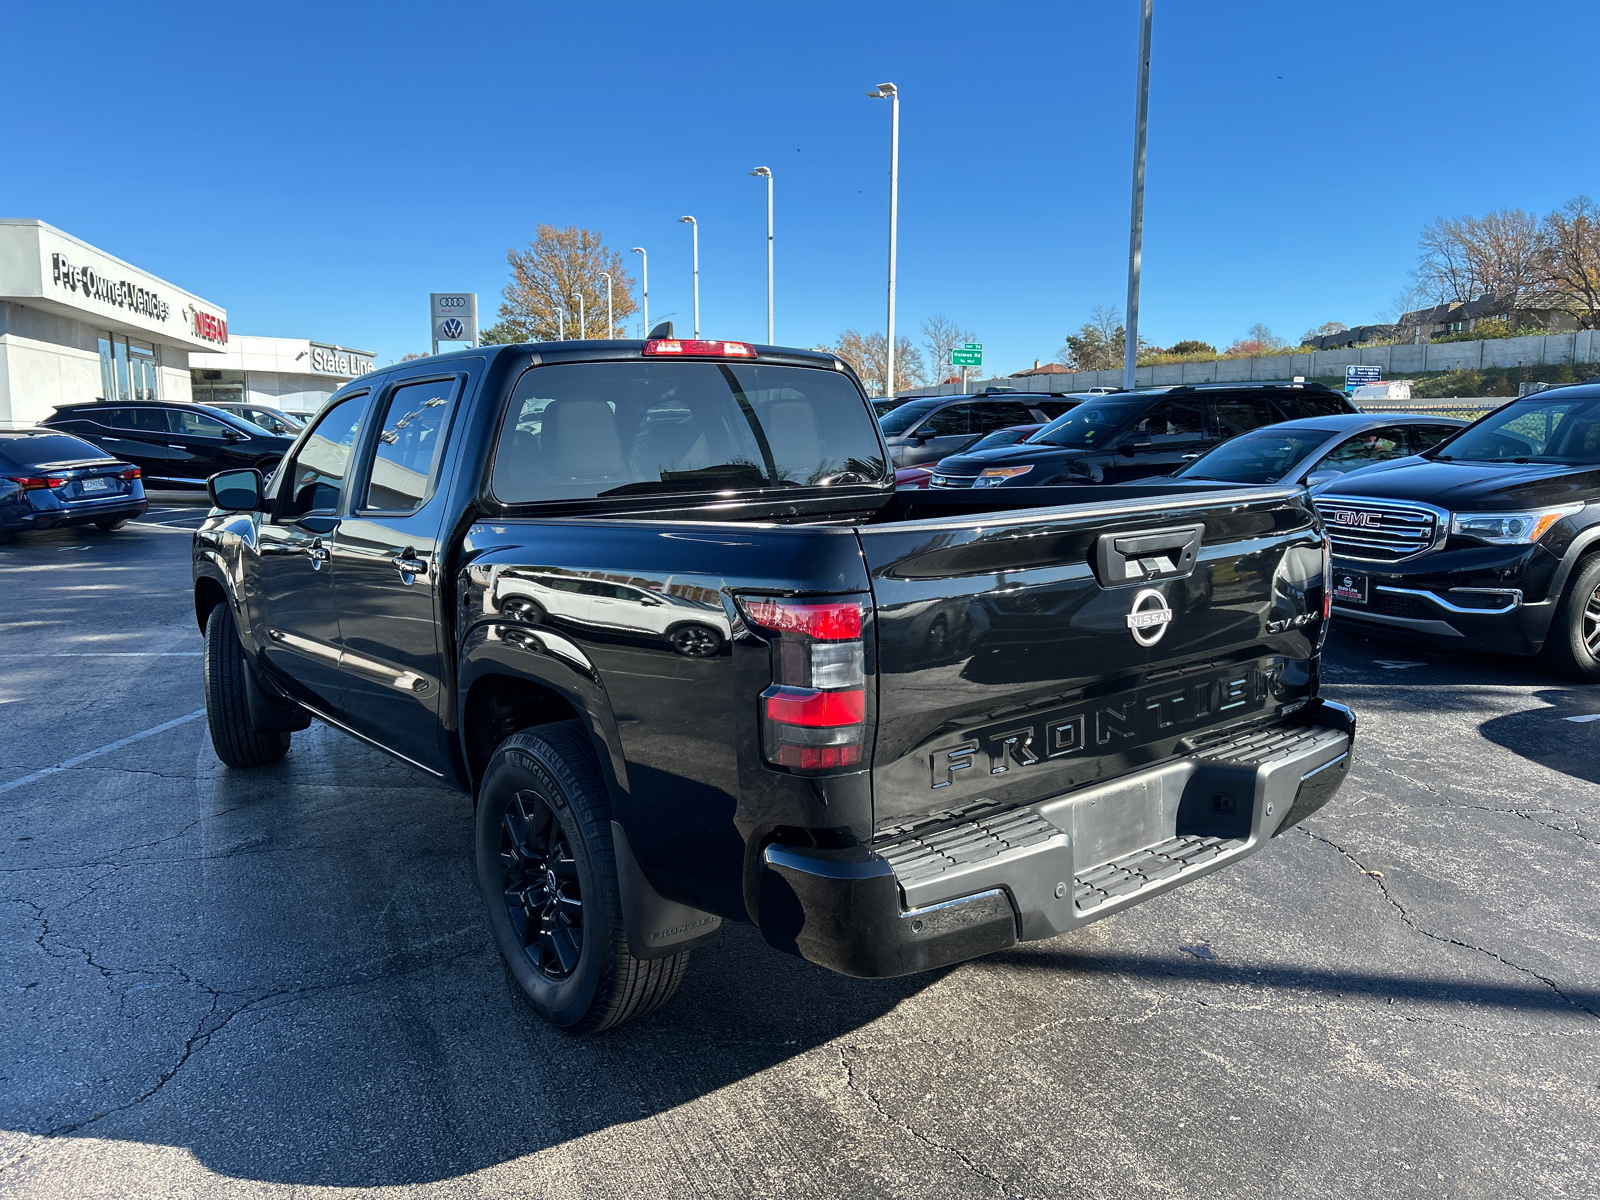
<point>868,354</point>
<point>558,265</point>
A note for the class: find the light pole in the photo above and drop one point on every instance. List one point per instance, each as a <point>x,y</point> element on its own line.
<point>611,325</point>
<point>561,323</point>
<point>644,274</point>
<point>887,91</point>
<point>583,323</point>
<point>694,229</point>
<point>1130,352</point>
<point>768,174</point>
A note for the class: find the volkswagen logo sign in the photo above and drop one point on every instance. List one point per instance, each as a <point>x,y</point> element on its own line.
<point>1150,617</point>
<point>451,330</point>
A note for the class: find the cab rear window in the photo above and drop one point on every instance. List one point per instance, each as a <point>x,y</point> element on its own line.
<point>590,430</point>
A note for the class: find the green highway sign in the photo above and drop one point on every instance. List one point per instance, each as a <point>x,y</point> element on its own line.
<point>969,355</point>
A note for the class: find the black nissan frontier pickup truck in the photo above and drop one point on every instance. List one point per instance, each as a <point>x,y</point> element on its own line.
<point>659,609</point>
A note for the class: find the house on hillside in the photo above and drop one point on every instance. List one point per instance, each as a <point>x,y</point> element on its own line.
<point>1042,368</point>
<point>1528,310</point>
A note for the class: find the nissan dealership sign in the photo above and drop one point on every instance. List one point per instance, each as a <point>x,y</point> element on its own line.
<point>42,267</point>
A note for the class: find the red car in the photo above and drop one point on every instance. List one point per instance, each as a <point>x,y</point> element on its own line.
<point>918,477</point>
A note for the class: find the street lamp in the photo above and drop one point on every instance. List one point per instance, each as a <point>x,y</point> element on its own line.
<point>583,324</point>
<point>887,91</point>
<point>1130,351</point>
<point>644,274</point>
<point>694,229</point>
<point>611,325</point>
<point>763,171</point>
<point>561,323</point>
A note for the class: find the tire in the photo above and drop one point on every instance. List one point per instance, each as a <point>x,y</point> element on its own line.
<point>543,820</point>
<point>696,641</point>
<point>111,526</point>
<point>234,737</point>
<point>1572,646</point>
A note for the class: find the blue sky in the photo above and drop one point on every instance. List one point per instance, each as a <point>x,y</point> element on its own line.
<point>318,169</point>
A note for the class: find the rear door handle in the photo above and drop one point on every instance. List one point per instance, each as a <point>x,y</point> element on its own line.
<point>1190,457</point>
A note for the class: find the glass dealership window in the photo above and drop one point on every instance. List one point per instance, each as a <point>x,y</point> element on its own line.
<point>128,368</point>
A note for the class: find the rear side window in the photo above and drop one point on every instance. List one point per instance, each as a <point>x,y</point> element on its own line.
<point>150,420</point>
<point>1426,437</point>
<point>949,422</point>
<point>989,417</point>
<point>1299,407</point>
<point>1241,414</point>
<point>407,455</point>
<point>586,430</point>
<point>316,481</point>
<point>1171,421</point>
<point>1054,408</point>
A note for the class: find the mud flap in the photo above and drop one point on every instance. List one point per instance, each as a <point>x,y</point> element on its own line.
<point>657,927</point>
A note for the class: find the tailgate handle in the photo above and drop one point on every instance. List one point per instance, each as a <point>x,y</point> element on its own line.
<point>1145,554</point>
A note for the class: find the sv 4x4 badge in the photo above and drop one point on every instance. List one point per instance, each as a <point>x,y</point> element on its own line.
<point>1150,617</point>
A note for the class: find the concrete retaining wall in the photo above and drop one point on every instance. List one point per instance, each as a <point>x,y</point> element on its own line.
<point>1582,346</point>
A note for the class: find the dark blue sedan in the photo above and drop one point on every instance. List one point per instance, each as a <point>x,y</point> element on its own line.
<point>49,479</point>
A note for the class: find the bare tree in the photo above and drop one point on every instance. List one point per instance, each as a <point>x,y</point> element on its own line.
<point>1462,258</point>
<point>1571,237</point>
<point>867,353</point>
<point>557,264</point>
<point>941,335</point>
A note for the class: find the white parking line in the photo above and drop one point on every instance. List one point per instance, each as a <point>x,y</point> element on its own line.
<point>106,749</point>
<point>1583,719</point>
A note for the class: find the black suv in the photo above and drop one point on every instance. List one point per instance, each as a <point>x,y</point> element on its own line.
<point>928,428</point>
<point>1132,435</point>
<point>1488,541</point>
<point>181,444</point>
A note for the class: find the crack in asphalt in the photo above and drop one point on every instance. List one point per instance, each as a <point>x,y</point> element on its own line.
<point>1407,920</point>
<point>913,1133</point>
<point>210,1024</point>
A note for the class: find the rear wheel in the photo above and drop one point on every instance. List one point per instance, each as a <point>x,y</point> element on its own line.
<point>234,735</point>
<point>1572,645</point>
<point>547,870</point>
<point>696,641</point>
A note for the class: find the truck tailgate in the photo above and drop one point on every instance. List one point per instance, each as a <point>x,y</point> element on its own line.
<point>1022,654</point>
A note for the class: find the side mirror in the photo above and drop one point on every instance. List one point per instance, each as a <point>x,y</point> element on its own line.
<point>236,491</point>
<point>232,435</point>
<point>921,439</point>
<point>1318,478</point>
<point>1126,449</point>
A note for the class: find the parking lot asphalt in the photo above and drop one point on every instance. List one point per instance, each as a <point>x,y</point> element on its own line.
<point>274,983</point>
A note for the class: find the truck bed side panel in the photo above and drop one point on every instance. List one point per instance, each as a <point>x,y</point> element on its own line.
<point>681,724</point>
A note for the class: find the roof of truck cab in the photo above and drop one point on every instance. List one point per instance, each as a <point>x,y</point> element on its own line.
<point>622,350</point>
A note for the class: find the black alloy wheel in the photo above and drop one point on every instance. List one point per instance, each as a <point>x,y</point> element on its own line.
<point>539,878</point>
<point>696,641</point>
<point>1572,645</point>
<point>547,870</point>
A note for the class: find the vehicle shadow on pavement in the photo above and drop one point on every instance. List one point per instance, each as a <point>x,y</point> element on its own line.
<point>1546,736</point>
<point>1413,988</point>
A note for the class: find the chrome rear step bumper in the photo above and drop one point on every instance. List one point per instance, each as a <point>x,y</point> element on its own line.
<point>1060,863</point>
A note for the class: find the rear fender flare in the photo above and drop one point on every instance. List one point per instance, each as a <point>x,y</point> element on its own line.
<point>483,656</point>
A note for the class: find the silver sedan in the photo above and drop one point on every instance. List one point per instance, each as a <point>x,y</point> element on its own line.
<point>1318,450</point>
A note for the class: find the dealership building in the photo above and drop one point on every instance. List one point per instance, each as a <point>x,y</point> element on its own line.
<point>77,323</point>
<point>292,374</point>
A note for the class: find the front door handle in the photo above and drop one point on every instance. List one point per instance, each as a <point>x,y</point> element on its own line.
<point>318,554</point>
<point>409,565</point>
<point>1190,457</point>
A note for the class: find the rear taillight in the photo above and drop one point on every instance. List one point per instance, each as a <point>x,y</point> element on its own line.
<point>30,483</point>
<point>814,716</point>
<point>697,348</point>
<point>129,475</point>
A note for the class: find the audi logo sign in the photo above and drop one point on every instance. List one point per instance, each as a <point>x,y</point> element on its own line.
<point>452,302</point>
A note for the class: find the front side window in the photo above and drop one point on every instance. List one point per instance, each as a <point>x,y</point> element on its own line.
<point>588,430</point>
<point>316,480</point>
<point>1376,445</point>
<point>1090,425</point>
<point>986,418</point>
<point>1310,405</point>
<point>193,424</point>
<point>1426,437</point>
<point>948,422</point>
<point>903,416</point>
<point>1170,421</point>
<point>407,453</point>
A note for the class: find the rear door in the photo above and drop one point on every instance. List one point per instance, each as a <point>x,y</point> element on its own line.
<point>141,436</point>
<point>388,562</point>
<point>1009,669</point>
<point>947,431</point>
